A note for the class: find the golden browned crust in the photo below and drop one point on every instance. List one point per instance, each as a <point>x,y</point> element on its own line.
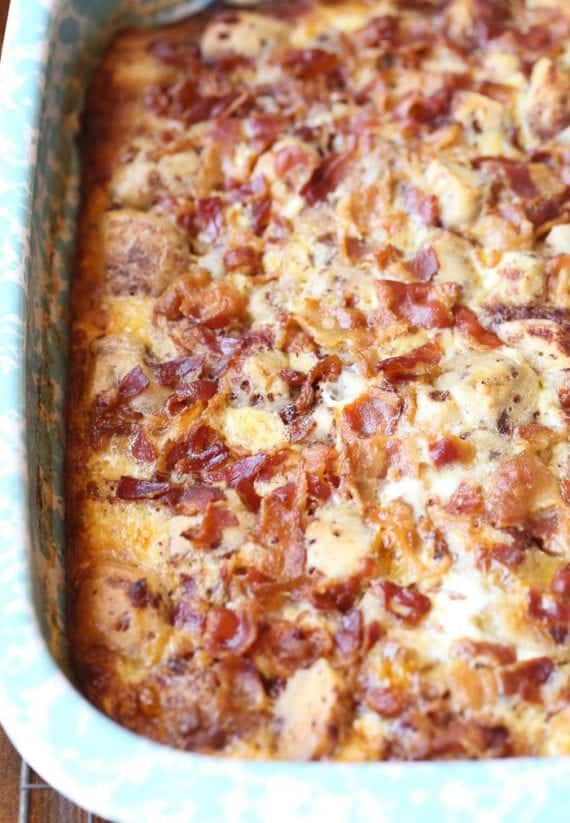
<point>317,469</point>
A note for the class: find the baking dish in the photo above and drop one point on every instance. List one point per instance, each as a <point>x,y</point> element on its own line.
<point>49,47</point>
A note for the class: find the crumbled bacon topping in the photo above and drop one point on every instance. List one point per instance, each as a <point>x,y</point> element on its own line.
<point>280,529</point>
<point>405,603</point>
<point>450,449</point>
<point>326,177</point>
<point>422,362</point>
<point>424,265</point>
<point>467,322</point>
<point>209,534</point>
<point>215,305</point>
<point>525,679</point>
<point>243,258</point>
<point>512,488</point>
<point>229,631</point>
<point>466,499</point>
<point>201,449</point>
<point>421,205</point>
<point>418,303</point>
<point>285,647</point>
<point>369,413</point>
<point>552,612</point>
<point>386,701</point>
<point>136,488</point>
<point>306,63</point>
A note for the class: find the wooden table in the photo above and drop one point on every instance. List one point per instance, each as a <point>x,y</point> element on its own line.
<point>38,805</point>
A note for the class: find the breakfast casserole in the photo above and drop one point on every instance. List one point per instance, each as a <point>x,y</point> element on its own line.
<point>318,476</point>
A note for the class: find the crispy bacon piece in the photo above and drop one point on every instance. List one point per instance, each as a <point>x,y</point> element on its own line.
<point>257,195</point>
<point>185,499</point>
<point>285,647</point>
<point>185,102</point>
<point>326,177</point>
<point>242,474</point>
<point>201,449</point>
<point>543,210</point>
<point>141,596</point>
<point>310,62</point>
<point>292,157</point>
<point>509,555</point>
<point>231,632</point>
<point>189,614</point>
<point>388,254</point>
<point>320,464</point>
<point>142,448</point>
<point>292,337</point>
<point>480,651</point>
<point>561,582</point>
<point>520,181</point>
<point>552,612</point>
<point>280,530</point>
<point>293,378</point>
<point>210,532</point>
<point>265,129</point>
<point>340,596</point>
<point>327,368</point>
<point>421,362</point>
<point>257,188</point>
<point>467,499</point>
<point>422,205</point>
<point>172,372</point>
<point>378,410</point>
<point>204,216</point>
<point>137,488</point>
<point>386,701</point>
<point>405,603</point>
<point>245,258</point>
<point>108,417</point>
<point>491,18</point>
<point>363,462</point>
<point>525,679</point>
<point>214,305</point>
<point>450,449</point>
<point>260,215</point>
<point>425,110</point>
<point>417,303</point>
<point>512,488</point>
<point>225,132</point>
<point>565,489</point>
<point>194,499</point>
<point>424,266</point>
<point>132,384</point>
<point>440,734</point>
<point>381,31</point>
<point>348,638</point>
<point>355,250</point>
<point>111,413</point>
<point>466,321</point>
<point>535,38</point>
<point>564,398</point>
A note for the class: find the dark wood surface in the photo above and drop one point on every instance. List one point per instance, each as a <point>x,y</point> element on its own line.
<point>45,805</point>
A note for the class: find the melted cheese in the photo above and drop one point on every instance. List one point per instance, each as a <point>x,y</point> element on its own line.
<point>338,540</point>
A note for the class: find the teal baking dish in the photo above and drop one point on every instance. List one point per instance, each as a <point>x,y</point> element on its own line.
<point>49,47</point>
